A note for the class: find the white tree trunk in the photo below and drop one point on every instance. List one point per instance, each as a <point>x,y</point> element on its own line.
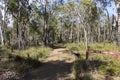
<point>78,34</point>
<point>118,17</point>
<point>1,36</point>
<point>85,38</point>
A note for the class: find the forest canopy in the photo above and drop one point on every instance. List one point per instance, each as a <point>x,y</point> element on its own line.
<point>45,22</point>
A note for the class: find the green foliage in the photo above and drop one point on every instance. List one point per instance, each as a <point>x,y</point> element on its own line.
<point>33,52</point>
<point>12,6</point>
<point>81,70</point>
<point>103,63</point>
<point>91,9</point>
<point>105,46</point>
<point>16,7</point>
<point>111,69</point>
<point>4,51</point>
<point>77,47</point>
<point>23,60</point>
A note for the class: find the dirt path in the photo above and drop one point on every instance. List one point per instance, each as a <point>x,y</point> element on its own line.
<point>57,66</point>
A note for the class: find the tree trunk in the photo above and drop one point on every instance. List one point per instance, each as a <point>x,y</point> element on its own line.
<point>104,37</point>
<point>85,38</point>
<point>99,34</point>
<point>109,26</point>
<point>4,23</point>
<point>71,33</point>
<point>45,28</point>
<point>78,34</point>
<point>1,36</point>
<point>118,15</point>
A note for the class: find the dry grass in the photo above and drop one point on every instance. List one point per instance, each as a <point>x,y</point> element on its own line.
<point>33,52</point>
<point>100,64</point>
<point>22,60</point>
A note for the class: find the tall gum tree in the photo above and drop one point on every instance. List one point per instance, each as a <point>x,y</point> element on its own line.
<point>87,13</point>
<point>3,20</point>
<point>118,19</point>
<point>20,12</point>
<point>1,31</point>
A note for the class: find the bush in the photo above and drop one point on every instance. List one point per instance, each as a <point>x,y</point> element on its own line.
<point>104,63</point>
<point>22,60</point>
<point>111,69</point>
<point>33,52</point>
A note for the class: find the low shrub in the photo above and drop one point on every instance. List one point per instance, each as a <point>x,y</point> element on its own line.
<point>112,68</point>
<point>22,60</point>
<point>33,52</point>
<point>105,64</point>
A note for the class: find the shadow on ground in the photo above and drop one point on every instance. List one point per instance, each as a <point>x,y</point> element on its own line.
<point>13,63</point>
<point>57,46</point>
<point>64,51</point>
<point>85,70</point>
<point>31,69</point>
<point>53,70</point>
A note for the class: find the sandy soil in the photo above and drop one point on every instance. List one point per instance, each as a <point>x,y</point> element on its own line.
<point>57,66</point>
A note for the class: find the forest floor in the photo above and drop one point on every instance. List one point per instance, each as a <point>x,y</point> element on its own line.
<point>57,66</point>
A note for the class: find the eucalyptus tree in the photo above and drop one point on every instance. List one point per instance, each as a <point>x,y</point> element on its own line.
<point>4,20</point>
<point>118,19</point>
<point>109,2</point>
<point>42,14</point>
<point>20,12</point>
<point>1,30</point>
<point>65,21</point>
<point>87,13</point>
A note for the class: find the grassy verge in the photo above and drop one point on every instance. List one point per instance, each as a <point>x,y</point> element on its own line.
<point>36,53</point>
<point>22,60</point>
<point>101,65</point>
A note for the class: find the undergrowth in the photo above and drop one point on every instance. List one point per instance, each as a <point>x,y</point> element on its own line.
<point>22,60</point>
<point>33,52</point>
<point>101,64</point>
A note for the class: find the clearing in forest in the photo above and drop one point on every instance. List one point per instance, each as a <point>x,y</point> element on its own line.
<point>57,66</point>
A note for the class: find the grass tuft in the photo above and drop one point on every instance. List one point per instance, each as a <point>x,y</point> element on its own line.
<point>103,64</point>
<point>36,53</point>
<point>22,60</point>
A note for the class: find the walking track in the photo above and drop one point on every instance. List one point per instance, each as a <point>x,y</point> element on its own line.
<point>57,66</point>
